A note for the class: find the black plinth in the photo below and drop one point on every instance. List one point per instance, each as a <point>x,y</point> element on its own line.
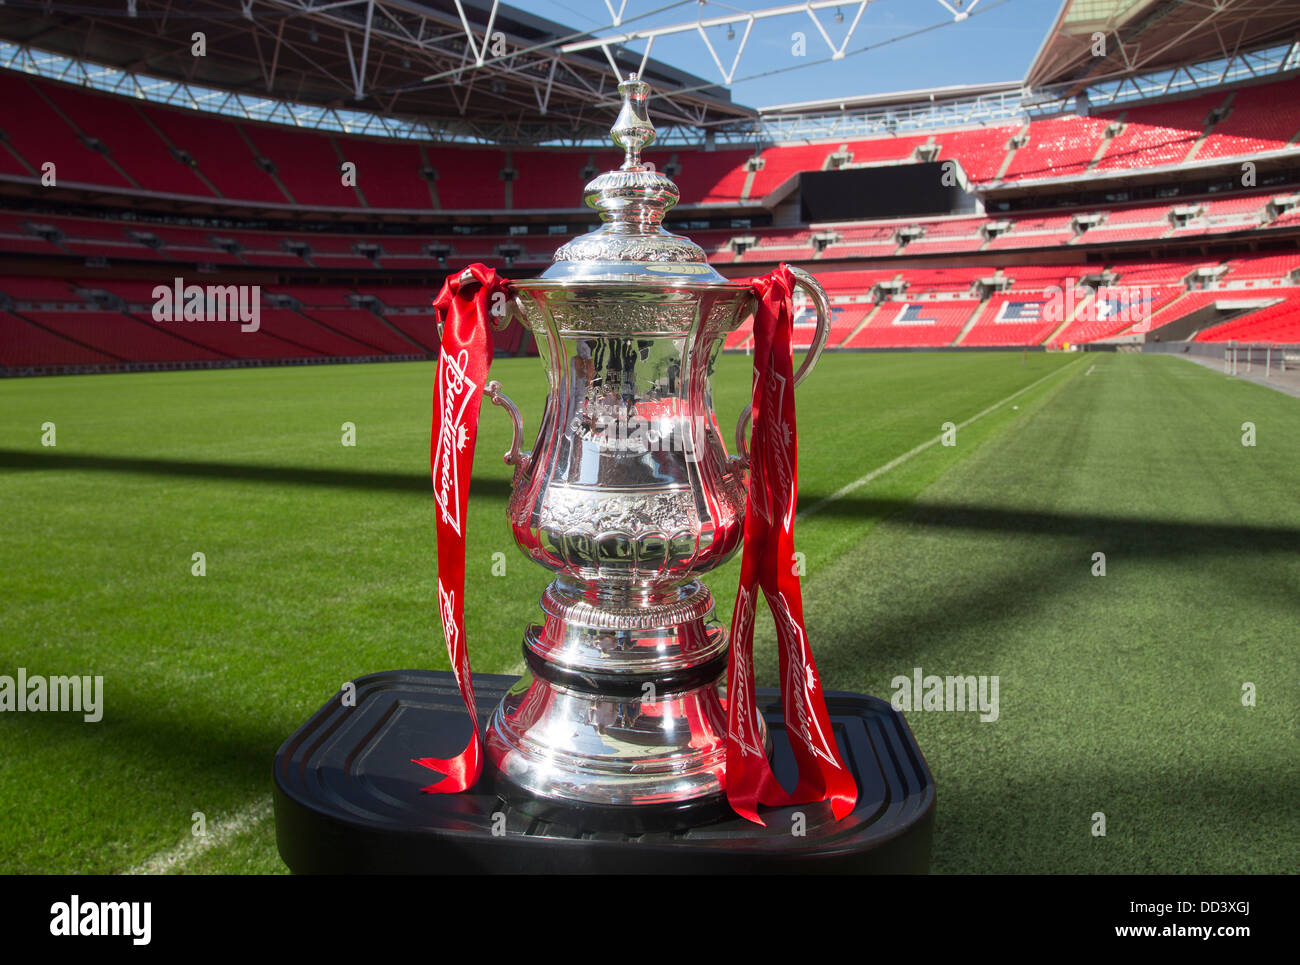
<point>348,799</point>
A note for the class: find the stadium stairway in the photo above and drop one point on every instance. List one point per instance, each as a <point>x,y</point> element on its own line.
<point>1020,137</point>
<point>866,320</point>
<point>1055,336</point>
<point>970,322</point>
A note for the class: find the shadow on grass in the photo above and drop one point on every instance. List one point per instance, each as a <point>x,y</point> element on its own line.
<point>150,766</point>
<point>864,637</point>
<point>17,459</point>
<point>863,640</point>
<point>180,746</point>
<point>1139,536</point>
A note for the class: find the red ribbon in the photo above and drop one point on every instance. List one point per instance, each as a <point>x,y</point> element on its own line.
<point>463,363</point>
<point>767,561</point>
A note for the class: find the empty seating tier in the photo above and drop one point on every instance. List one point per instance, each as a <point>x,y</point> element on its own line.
<point>1277,324</point>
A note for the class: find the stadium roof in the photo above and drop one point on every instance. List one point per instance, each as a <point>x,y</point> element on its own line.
<point>473,67</point>
<point>1149,35</point>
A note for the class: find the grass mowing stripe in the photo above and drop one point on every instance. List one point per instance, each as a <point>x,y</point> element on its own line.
<point>218,836</point>
<point>917,450</point>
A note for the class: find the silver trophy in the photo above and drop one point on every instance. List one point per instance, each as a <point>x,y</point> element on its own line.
<point>628,496</point>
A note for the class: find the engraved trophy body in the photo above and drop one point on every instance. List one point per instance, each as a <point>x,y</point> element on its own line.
<point>628,496</point>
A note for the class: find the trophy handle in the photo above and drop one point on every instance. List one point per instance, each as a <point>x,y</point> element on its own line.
<point>514,307</point>
<point>514,457</point>
<point>823,306</point>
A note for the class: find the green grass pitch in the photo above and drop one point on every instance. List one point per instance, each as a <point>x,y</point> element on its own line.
<point>1120,694</point>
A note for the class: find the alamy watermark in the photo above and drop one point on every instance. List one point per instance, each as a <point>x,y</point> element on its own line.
<point>180,302</point>
<point>954,693</point>
<point>1084,303</point>
<point>75,917</point>
<point>80,695</point>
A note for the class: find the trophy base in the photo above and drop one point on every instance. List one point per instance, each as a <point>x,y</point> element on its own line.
<point>638,819</point>
<point>348,799</point>
<point>623,763</point>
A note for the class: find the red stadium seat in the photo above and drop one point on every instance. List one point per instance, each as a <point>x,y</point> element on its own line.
<point>133,143</point>
<point>307,163</point>
<point>980,150</point>
<point>388,173</point>
<point>1277,325</point>
<point>1261,118</point>
<point>914,324</point>
<point>123,336</point>
<point>278,172</point>
<point>222,157</point>
<point>38,133</point>
<point>367,328</point>
<point>1057,147</point>
<point>1159,133</point>
<point>25,343</point>
<point>1012,319</point>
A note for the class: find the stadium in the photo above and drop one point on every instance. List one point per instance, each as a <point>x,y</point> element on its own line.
<point>1053,439</point>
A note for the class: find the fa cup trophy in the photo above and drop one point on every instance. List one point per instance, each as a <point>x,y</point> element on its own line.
<point>628,497</point>
<point>638,711</point>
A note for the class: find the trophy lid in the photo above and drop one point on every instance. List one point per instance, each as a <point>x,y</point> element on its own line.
<point>631,245</point>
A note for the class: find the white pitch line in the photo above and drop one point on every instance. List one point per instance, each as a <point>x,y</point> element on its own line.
<point>917,450</point>
<point>219,835</point>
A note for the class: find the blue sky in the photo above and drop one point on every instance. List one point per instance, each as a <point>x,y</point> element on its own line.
<point>996,43</point>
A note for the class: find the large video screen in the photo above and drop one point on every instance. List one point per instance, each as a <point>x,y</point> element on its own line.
<point>894,191</point>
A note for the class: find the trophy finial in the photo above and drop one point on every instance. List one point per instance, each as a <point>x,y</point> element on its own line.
<point>632,199</point>
<point>633,130</point>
